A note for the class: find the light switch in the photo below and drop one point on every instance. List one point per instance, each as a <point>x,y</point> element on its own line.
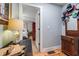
<point>48,27</point>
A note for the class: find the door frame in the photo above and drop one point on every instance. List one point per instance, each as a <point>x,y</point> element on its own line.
<point>40,22</point>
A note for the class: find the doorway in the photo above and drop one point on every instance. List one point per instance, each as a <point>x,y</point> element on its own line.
<point>34,31</point>
<point>32,21</point>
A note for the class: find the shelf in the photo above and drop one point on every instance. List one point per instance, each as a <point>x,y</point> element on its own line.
<point>3,21</point>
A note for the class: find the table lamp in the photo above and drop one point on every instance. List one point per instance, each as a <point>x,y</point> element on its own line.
<point>16,26</point>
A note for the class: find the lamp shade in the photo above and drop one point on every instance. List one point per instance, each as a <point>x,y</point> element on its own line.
<point>15,24</point>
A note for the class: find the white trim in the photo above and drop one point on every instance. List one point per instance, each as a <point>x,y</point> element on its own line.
<point>20,12</point>
<point>51,48</point>
<point>41,35</point>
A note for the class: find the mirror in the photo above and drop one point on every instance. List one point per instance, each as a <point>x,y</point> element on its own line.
<point>72,24</point>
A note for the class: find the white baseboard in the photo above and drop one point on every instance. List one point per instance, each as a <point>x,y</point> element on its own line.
<point>51,48</point>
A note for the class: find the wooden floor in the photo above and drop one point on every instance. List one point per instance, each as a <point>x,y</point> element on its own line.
<point>57,53</point>
<point>37,53</point>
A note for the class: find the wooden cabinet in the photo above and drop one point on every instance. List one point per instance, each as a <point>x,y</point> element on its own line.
<point>70,45</point>
<point>70,42</point>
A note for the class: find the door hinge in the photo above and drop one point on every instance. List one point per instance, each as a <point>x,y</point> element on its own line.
<point>38,13</point>
<point>39,43</point>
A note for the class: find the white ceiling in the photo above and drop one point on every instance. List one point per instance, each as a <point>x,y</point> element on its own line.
<point>60,4</point>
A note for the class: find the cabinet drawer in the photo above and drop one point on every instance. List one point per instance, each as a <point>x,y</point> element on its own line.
<point>71,40</point>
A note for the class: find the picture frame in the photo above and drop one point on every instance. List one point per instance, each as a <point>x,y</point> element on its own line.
<point>4,10</point>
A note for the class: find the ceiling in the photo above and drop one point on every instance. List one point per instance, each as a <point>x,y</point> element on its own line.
<point>60,4</point>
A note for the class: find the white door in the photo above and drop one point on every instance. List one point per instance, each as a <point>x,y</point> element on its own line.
<point>38,30</point>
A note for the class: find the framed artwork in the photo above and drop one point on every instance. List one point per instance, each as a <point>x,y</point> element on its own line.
<point>4,10</point>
